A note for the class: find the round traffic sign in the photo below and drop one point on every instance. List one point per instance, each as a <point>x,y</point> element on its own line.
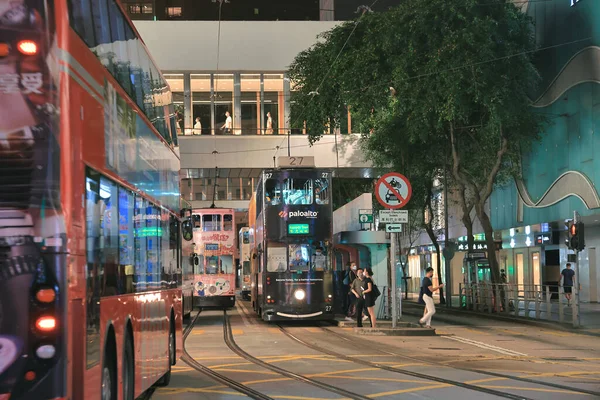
<point>393,190</point>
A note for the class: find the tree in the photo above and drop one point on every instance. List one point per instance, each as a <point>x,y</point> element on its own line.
<point>459,73</point>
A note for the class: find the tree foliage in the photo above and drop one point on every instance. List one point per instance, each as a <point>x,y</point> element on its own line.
<point>437,87</point>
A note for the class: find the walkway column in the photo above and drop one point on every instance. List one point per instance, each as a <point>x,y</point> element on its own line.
<point>286,103</point>
<point>188,110</point>
<point>237,104</point>
<point>262,104</point>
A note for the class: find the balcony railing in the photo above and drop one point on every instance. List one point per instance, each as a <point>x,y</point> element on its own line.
<point>241,132</point>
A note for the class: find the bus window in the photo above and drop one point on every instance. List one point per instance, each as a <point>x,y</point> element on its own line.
<point>211,223</point>
<point>276,258</point>
<point>226,264</point>
<point>322,191</point>
<point>212,265</point>
<point>227,222</point>
<point>297,191</point>
<point>299,257</point>
<point>319,259</point>
<point>272,192</point>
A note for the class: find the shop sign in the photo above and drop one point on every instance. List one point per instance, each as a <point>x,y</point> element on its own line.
<point>477,246</point>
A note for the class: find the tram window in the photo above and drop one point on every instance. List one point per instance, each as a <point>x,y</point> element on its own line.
<point>227,222</point>
<point>297,191</point>
<point>299,257</point>
<point>196,221</point>
<point>276,258</point>
<point>322,191</point>
<point>211,223</point>
<point>212,265</point>
<point>246,268</point>
<point>199,269</point>
<point>226,265</point>
<point>272,192</point>
<point>246,237</point>
<point>319,259</point>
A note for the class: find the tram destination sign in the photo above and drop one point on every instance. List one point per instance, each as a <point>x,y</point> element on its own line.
<point>298,229</point>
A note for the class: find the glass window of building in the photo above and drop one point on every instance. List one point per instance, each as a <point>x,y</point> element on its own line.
<point>250,104</point>
<point>175,82</point>
<point>273,104</point>
<point>297,191</point>
<point>173,12</point>
<point>201,104</point>
<point>147,8</point>
<point>223,105</point>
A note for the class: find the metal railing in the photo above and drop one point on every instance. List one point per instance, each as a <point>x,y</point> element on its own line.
<point>539,302</point>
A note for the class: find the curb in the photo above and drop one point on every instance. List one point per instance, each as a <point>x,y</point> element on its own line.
<point>440,311</point>
<point>395,331</point>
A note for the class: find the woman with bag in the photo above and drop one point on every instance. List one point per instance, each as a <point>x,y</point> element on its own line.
<point>426,295</point>
<point>370,294</point>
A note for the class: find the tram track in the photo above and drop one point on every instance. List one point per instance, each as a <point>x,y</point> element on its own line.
<point>222,379</point>
<point>402,371</point>
<point>230,341</point>
<point>472,370</point>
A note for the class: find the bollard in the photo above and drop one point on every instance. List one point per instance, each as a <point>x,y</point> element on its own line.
<point>537,302</point>
<point>516,299</point>
<point>575,299</point>
<point>498,304</point>
<point>490,298</point>
<point>548,304</point>
<point>561,311</point>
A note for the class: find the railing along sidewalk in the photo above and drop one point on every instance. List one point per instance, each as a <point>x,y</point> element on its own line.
<point>538,302</point>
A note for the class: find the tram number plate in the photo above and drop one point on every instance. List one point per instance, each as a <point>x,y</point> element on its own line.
<point>327,308</point>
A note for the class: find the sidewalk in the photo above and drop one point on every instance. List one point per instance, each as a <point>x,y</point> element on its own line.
<point>589,315</point>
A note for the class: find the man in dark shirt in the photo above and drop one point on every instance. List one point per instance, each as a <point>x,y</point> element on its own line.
<point>427,290</point>
<point>567,275</point>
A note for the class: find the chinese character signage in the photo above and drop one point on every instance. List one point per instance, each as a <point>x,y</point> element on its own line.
<point>25,83</point>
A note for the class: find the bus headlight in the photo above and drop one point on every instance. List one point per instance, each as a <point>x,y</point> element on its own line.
<point>300,294</point>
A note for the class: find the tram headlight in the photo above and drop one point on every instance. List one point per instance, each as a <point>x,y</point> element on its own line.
<point>300,294</point>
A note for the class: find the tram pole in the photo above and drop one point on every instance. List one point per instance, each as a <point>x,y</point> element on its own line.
<point>393,278</point>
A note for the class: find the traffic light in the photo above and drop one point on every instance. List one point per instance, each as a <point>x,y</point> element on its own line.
<point>576,236</point>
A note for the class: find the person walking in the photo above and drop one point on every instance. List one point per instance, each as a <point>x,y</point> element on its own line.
<point>566,276</point>
<point>355,289</point>
<point>427,290</point>
<point>369,295</point>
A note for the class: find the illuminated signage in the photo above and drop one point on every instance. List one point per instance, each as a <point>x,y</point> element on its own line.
<point>573,2</point>
<point>298,229</point>
<point>148,232</point>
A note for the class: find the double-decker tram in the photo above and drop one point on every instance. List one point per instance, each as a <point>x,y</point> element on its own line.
<point>187,266</point>
<point>214,273</point>
<point>245,243</point>
<point>291,216</point>
<point>91,230</point>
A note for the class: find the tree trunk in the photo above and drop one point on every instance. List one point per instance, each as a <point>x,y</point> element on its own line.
<point>431,234</point>
<point>489,240</point>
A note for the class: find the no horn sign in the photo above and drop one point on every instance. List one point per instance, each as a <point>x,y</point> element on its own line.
<point>393,190</point>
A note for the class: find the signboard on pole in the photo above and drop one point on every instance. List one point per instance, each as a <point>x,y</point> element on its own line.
<point>393,190</point>
<point>393,228</point>
<point>393,216</point>
<point>365,216</point>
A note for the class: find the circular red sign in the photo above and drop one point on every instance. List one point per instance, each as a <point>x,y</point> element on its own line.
<point>393,190</point>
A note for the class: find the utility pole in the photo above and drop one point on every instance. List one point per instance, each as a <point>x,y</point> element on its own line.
<point>393,278</point>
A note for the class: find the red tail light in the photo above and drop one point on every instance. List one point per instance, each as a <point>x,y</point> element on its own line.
<point>27,47</point>
<point>45,324</point>
<point>4,49</point>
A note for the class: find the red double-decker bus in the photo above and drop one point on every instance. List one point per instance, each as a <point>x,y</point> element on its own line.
<point>91,228</point>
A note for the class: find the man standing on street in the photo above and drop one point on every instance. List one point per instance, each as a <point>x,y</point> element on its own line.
<point>567,275</point>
